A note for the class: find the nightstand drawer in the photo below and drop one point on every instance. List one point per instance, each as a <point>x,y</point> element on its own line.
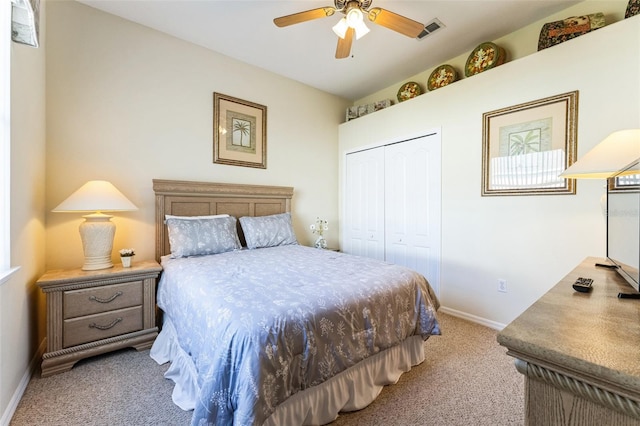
<point>101,326</point>
<point>89,301</point>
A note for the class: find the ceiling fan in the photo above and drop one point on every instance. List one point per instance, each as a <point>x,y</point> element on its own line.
<point>352,24</point>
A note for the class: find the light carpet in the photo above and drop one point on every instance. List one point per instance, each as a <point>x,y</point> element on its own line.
<point>467,379</point>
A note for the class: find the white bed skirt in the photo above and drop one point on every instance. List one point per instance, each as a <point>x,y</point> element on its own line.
<point>351,390</point>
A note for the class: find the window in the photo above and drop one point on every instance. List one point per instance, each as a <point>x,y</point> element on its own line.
<point>5,136</point>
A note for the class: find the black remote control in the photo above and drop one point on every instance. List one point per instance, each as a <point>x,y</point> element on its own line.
<point>629,295</point>
<point>583,285</point>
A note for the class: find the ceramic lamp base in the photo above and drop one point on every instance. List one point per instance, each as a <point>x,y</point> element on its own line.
<point>97,232</point>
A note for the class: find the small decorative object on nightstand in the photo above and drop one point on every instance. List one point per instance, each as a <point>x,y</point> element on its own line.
<point>93,312</point>
<point>126,256</point>
<point>319,227</point>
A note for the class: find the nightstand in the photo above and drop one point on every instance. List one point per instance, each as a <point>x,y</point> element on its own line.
<point>93,312</point>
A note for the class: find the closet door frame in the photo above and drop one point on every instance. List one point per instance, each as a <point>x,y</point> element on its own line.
<point>435,141</point>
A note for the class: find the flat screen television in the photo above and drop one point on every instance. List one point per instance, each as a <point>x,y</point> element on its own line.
<point>623,225</point>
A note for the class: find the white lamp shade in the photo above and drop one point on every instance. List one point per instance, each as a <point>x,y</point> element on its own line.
<point>341,28</point>
<point>354,16</point>
<point>354,20</point>
<point>96,196</point>
<point>616,152</point>
<point>361,29</point>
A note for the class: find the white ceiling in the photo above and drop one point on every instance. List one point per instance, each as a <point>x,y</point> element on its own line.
<point>244,30</point>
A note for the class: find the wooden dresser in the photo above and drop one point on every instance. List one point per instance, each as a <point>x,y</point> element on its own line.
<point>579,352</point>
<point>93,312</point>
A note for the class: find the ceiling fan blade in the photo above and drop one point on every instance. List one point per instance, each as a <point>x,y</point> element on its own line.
<point>395,22</point>
<point>344,44</point>
<point>296,18</point>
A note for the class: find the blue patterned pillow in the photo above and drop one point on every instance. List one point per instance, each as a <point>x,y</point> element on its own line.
<point>268,231</point>
<point>190,236</point>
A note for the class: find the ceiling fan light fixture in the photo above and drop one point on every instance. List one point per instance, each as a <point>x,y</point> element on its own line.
<point>341,28</point>
<point>352,25</point>
<point>355,20</point>
<point>354,16</point>
<point>361,29</point>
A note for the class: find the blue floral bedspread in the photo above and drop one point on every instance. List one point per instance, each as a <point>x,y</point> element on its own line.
<point>263,324</point>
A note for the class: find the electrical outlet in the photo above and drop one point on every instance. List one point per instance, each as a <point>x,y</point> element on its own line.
<point>502,286</point>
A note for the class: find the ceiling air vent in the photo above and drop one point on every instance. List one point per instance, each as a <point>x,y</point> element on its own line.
<point>430,28</point>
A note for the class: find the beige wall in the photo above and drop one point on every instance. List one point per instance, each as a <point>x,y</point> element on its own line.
<point>21,305</point>
<point>129,104</point>
<point>530,241</point>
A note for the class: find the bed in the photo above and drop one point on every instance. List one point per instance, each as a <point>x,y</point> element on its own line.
<point>261,330</point>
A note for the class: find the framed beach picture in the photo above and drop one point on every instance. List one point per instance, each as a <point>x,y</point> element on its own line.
<point>525,147</point>
<point>239,132</point>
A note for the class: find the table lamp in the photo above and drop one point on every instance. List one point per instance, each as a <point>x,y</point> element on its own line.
<point>97,231</point>
<point>617,151</point>
<point>617,155</point>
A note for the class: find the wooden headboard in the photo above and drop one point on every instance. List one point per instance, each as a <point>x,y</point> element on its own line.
<point>185,198</point>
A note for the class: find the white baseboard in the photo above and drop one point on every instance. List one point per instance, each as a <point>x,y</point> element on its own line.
<point>473,318</point>
<point>22,386</point>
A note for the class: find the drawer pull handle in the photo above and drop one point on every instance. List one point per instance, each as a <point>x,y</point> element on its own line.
<point>105,327</point>
<point>97,299</point>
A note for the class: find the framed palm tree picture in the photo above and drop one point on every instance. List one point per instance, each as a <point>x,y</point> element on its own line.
<point>525,147</point>
<point>239,132</point>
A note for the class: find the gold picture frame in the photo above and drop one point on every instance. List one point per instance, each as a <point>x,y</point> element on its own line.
<point>525,147</point>
<point>239,132</point>
<point>625,181</point>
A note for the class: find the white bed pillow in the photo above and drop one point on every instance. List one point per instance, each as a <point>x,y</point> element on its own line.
<point>268,231</point>
<point>201,235</point>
